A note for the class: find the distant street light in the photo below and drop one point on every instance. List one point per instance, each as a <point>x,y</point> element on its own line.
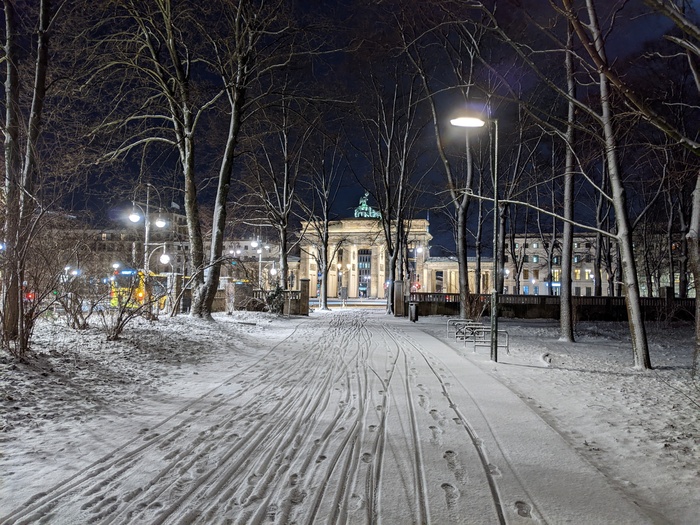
<point>475,122</point>
<point>256,244</point>
<point>164,257</point>
<point>135,217</point>
<point>273,273</point>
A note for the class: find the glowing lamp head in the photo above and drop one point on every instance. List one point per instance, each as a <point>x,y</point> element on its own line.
<point>468,122</point>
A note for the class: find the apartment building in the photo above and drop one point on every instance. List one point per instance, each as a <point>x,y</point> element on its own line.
<point>533,267</point>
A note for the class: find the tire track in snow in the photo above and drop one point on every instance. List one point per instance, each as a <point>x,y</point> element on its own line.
<point>41,506</point>
<point>340,432</point>
<point>254,492</point>
<point>490,471</point>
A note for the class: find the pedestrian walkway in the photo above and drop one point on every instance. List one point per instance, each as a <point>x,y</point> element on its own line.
<point>537,473</point>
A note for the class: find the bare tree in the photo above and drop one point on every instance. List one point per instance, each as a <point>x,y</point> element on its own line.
<point>566,313</point>
<point>274,162</point>
<point>42,150</point>
<point>21,170</point>
<point>461,54</point>
<point>392,130</point>
<point>605,118</point>
<point>326,169</point>
<point>190,62</point>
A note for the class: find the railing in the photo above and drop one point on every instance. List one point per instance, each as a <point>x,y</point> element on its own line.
<point>293,295</point>
<point>547,306</point>
<point>433,297</point>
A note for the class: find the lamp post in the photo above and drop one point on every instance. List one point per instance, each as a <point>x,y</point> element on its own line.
<point>475,122</point>
<point>135,217</point>
<point>273,273</point>
<point>164,257</point>
<point>256,244</point>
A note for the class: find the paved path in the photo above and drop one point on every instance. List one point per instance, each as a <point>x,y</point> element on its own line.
<point>352,417</point>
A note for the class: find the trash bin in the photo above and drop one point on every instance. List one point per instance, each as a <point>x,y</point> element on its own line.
<point>413,311</point>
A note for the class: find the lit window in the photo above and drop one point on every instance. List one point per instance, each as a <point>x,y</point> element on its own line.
<point>577,274</point>
<point>535,258</point>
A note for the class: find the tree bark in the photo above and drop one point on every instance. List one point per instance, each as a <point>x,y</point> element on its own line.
<point>566,313</point>
<point>638,334</point>
<point>693,237</point>
<point>21,172</point>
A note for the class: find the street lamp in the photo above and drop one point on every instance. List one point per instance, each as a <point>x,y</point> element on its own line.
<point>164,257</point>
<point>475,122</point>
<point>256,244</point>
<point>135,217</point>
<point>273,273</point>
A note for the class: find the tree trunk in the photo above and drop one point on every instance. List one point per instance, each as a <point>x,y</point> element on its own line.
<point>669,243</point>
<point>213,273</point>
<point>462,257</point>
<point>478,244</point>
<point>638,334</point>
<point>13,175</point>
<point>683,258</point>
<point>598,265</point>
<point>20,173</point>
<point>390,291</point>
<point>194,229</point>
<point>566,308</point>
<point>323,263</point>
<point>502,216</point>
<point>693,237</point>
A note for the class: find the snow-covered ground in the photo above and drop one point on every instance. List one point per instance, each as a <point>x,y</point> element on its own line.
<point>346,417</point>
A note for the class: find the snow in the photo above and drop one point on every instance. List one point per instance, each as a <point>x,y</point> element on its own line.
<point>348,416</point>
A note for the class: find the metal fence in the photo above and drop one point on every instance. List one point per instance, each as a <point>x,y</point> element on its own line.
<point>547,306</point>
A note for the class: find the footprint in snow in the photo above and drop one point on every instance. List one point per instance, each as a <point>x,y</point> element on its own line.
<point>523,509</point>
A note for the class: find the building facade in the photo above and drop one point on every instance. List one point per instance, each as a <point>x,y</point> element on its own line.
<point>359,265</point>
<point>532,267</point>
